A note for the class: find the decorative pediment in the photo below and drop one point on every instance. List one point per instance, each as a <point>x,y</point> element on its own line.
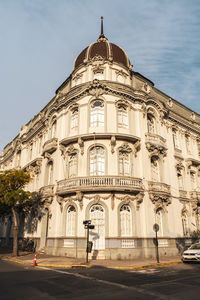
<point>125,149</point>
<point>34,167</point>
<point>160,201</point>
<point>96,88</point>
<point>122,102</point>
<point>71,150</point>
<point>128,198</point>
<point>156,150</point>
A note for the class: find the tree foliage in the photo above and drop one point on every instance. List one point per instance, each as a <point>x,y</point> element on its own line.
<point>12,183</point>
<point>12,195</point>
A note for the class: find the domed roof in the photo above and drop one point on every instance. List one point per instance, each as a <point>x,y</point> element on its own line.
<point>105,49</point>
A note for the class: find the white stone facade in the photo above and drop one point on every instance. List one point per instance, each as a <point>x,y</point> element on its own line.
<point>112,148</point>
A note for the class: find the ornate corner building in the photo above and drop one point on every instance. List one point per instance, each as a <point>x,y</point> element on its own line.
<point>112,148</point>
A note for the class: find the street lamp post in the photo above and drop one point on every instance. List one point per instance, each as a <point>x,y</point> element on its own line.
<point>88,226</point>
<point>156,229</point>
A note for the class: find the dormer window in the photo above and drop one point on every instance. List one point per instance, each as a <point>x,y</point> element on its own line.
<point>97,113</point>
<point>151,123</point>
<point>98,74</point>
<point>74,118</point>
<point>122,116</point>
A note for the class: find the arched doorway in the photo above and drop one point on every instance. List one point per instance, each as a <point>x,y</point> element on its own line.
<point>97,235</point>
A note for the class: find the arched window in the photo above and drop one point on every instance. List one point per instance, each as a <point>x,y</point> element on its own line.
<point>97,161</point>
<point>53,129</point>
<point>125,221</point>
<point>97,217</point>
<point>73,164</point>
<point>97,113</point>
<point>151,123</point>
<point>74,118</point>
<point>71,221</point>
<point>155,169</point>
<point>49,173</point>
<point>193,180</point>
<point>122,116</point>
<point>180,180</point>
<point>124,163</point>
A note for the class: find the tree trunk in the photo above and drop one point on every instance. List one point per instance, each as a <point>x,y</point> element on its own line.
<point>15,233</point>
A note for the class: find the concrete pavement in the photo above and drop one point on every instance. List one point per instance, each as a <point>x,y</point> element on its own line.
<point>44,260</point>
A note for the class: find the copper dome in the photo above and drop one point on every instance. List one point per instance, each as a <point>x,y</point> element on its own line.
<point>106,50</point>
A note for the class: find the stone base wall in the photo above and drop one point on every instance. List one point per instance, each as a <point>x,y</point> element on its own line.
<point>129,248</point>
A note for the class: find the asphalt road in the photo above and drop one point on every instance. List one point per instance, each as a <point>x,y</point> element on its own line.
<point>175,282</point>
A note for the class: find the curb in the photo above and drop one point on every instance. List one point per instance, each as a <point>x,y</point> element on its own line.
<point>157,265</point>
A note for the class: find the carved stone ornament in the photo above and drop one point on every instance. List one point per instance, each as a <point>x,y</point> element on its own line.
<point>160,201</point>
<point>195,204</point>
<point>71,150</point>
<point>96,88</point>
<point>184,211</point>
<point>170,102</point>
<point>127,198</point>
<point>77,76</point>
<point>81,145</point>
<point>73,107</point>
<point>122,102</point>
<point>97,58</point>
<point>179,166</point>
<point>63,150</point>
<point>113,143</point>
<point>79,197</point>
<point>137,147</point>
<point>121,72</point>
<point>146,88</point>
<point>156,150</point>
<point>125,148</point>
<point>47,155</point>
<point>144,109</point>
<point>34,167</point>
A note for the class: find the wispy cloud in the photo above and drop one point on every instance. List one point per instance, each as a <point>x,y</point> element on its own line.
<point>40,40</point>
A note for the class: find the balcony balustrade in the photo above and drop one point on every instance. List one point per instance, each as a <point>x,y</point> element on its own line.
<point>101,183</point>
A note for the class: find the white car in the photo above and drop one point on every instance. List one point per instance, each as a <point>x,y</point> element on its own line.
<point>192,253</point>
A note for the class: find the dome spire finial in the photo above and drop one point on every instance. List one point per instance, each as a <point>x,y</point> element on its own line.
<point>102,36</point>
<point>102,25</point>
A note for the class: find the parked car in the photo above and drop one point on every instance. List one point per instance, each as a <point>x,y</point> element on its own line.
<point>192,253</point>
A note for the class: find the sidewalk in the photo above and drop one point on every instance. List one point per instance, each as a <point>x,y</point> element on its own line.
<point>44,260</point>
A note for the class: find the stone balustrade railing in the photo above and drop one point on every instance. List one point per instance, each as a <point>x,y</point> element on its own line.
<point>101,182</point>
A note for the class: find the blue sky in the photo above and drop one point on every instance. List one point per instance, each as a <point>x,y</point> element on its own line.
<point>41,38</point>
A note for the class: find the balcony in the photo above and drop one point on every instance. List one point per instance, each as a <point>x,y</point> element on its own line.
<point>155,139</point>
<point>47,191</point>
<point>99,183</point>
<point>50,146</point>
<point>159,187</point>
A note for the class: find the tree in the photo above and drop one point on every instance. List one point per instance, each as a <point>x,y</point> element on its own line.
<point>12,194</point>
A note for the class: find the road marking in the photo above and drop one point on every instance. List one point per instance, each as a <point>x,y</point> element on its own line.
<point>137,289</point>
